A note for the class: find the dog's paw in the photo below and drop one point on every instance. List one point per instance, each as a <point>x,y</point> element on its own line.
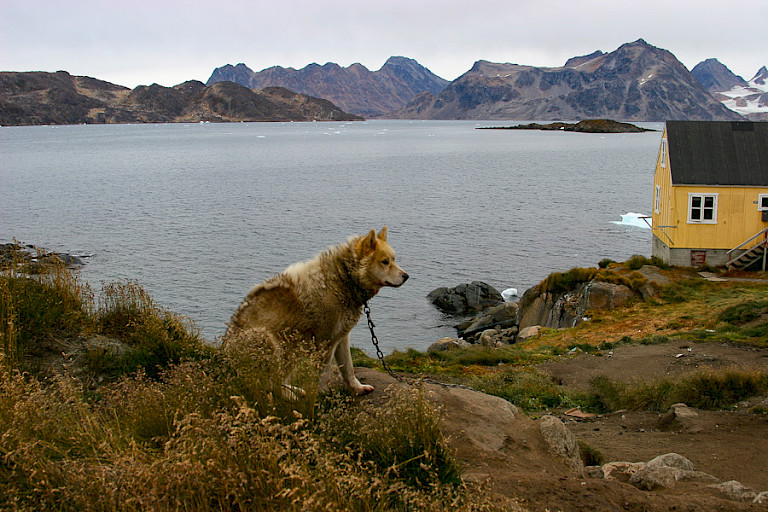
<point>362,389</point>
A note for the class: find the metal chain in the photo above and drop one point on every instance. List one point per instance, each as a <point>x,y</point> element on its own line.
<point>375,341</point>
<point>386,366</point>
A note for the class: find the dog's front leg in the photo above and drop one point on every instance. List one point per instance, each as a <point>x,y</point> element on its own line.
<point>344,360</point>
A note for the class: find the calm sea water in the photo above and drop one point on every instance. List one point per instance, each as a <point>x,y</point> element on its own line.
<point>199,213</point>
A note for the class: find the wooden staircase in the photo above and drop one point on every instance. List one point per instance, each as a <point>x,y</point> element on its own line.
<point>755,250</point>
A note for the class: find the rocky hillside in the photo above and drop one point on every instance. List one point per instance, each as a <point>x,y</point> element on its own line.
<point>636,82</point>
<point>36,98</point>
<point>749,99</point>
<point>355,88</point>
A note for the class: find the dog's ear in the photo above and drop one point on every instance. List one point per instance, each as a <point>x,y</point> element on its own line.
<point>383,234</point>
<point>368,243</point>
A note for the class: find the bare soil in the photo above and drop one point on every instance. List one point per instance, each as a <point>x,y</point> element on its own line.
<point>508,455</point>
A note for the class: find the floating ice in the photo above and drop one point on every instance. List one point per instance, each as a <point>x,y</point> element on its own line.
<point>634,219</point>
<point>508,294</point>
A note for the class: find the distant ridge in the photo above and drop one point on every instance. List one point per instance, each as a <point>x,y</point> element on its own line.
<point>636,82</point>
<point>355,89</point>
<point>34,98</point>
<point>749,99</point>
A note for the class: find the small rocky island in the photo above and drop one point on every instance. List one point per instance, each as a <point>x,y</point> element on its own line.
<point>586,126</point>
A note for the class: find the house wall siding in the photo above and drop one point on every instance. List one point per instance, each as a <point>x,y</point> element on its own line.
<point>737,217</point>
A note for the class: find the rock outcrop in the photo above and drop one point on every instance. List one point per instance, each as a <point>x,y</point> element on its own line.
<point>586,126</point>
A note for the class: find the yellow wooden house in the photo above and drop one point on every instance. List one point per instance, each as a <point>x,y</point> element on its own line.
<point>710,194</point>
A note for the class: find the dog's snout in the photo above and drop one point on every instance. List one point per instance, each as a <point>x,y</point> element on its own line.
<point>405,277</point>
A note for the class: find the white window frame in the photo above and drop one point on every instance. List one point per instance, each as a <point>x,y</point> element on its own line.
<point>762,198</point>
<point>702,197</point>
<point>663,163</point>
<point>657,200</point>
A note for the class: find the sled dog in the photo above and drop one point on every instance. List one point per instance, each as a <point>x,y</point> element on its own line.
<point>319,301</point>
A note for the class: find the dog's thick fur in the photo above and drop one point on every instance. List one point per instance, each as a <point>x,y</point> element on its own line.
<point>319,301</point>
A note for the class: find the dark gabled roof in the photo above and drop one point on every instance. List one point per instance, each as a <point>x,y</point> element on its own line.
<point>718,152</point>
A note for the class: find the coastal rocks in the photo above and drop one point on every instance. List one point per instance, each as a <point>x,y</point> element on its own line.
<point>465,299</point>
<point>560,301</point>
<point>503,316</point>
<point>35,258</point>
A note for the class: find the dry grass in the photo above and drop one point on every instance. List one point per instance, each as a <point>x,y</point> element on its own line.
<point>177,425</point>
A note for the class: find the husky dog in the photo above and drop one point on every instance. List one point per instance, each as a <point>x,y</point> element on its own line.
<point>319,301</point>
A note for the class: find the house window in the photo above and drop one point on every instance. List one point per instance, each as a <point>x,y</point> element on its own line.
<point>762,202</point>
<point>663,162</point>
<point>657,199</point>
<point>702,208</point>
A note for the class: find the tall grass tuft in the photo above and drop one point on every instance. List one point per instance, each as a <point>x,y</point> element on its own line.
<point>155,337</point>
<point>37,306</point>
<point>402,439</point>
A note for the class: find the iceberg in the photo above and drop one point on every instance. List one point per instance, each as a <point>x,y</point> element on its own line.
<point>639,220</point>
<point>508,294</point>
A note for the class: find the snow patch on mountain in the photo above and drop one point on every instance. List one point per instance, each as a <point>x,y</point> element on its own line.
<point>750,99</point>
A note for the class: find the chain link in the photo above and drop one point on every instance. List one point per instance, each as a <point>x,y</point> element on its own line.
<point>375,341</point>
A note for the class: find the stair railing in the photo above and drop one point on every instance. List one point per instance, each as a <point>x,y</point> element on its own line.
<point>745,245</point>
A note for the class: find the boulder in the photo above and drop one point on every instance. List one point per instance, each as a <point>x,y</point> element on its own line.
<point>529,332</point>
<point>735,490</point>
<point>680,418</point>
<point>602,295</point>
<point>655,281</point>
<point>622,471</point>
<point>672,460</point>
<point>561,442</point>
<point>660,472</point>
<point>446,345</point>
<point>650,478</point>
<point>465,299</point>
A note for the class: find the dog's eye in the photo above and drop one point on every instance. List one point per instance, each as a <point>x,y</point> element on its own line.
<point>385,262</point>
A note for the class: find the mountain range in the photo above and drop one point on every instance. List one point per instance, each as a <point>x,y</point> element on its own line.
<point>636,82</point>
<point>34,98</point>
<point>355,88</point>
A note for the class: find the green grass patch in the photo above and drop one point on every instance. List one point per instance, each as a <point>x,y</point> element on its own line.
<point>711,390</point>
<point>527,388</point>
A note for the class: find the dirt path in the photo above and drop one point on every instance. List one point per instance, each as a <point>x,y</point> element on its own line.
<point>506,450</point>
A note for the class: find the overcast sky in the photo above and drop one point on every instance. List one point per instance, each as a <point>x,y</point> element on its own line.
<point>137,42</point>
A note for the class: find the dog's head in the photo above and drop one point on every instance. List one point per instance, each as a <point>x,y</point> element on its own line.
<point>377,260</point>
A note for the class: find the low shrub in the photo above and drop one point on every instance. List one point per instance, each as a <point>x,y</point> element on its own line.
<point>605,262</point>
